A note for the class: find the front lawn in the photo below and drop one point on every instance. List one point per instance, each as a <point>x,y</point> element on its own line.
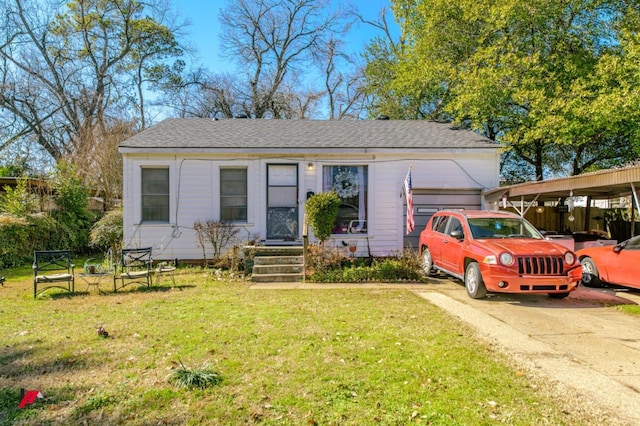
<point>290,357</point>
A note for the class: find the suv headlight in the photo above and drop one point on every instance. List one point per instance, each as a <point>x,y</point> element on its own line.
<point>506,259</point>
<point>569,258</point>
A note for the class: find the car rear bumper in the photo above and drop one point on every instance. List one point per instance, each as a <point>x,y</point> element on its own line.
<point>499,280</point>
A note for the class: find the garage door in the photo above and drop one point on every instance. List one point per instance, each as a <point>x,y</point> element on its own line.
<point>428,201</point>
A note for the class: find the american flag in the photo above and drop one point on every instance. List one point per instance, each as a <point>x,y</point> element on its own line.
<point>408,192</point>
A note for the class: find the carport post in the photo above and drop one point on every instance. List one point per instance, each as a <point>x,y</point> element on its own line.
<point>587,214</point>
<point>634,201</point>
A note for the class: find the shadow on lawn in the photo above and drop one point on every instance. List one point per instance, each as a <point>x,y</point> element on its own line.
<point>27,361</point>
<point>140,289</point>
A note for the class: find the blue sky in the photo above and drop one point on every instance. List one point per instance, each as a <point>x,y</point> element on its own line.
<point>203,31</point>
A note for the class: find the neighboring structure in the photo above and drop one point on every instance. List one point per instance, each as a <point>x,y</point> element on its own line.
<point>257,175</point>
<point>41,188</point>
<point>554,200</point>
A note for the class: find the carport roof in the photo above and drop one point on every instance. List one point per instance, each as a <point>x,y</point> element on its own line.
<point>604,184</point>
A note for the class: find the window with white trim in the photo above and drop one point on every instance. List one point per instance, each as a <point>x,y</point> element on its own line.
<point>233,194</point>
<point>155,194</point>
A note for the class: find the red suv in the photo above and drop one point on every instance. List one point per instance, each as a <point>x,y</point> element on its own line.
<point>497,251</point>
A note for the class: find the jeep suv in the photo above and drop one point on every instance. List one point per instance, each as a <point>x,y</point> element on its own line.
<point>497,251</point>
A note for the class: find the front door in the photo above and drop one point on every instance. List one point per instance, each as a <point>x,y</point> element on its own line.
<point>282,202</point>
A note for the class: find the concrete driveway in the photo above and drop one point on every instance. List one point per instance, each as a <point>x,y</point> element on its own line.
<point>582,343</point>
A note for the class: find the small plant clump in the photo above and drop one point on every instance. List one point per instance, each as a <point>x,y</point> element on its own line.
<point>202,377</point>
<point>329,264</point>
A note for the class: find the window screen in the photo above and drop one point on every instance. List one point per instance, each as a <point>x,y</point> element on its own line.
<point>233,195</point>
<point>155,194</point>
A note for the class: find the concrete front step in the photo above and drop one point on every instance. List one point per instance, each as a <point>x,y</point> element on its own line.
<point>277,264</point>
<point>278,269</point>
<point>277,278</point>
<point>278,260</point>
<point>274,250</point>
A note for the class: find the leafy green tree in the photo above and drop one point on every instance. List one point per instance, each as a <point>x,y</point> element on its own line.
<point>398,98</point>
<point>13,170</point>
<point>71,197</point>
<point>549,80</point>
<point>19,200</point>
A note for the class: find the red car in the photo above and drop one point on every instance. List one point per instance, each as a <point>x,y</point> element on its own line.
<point>619,264</point>
<point>497,251</point>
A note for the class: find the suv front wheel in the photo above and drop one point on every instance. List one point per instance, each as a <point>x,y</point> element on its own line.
<point>473,282</point>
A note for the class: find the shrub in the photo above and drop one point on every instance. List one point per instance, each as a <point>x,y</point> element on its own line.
<point>14,240</point>
<point>320,258</point>
<point>22,231</point>
<point>107,233</point>
<point>45,233</point>
<point>326,268</point>
<point>20,236</point>
<point>322,211</point>
<point>216,234</point>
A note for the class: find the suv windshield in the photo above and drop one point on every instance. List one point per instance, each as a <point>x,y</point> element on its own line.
<point>498,227</point>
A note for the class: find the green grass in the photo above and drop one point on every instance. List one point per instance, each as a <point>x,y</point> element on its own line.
<point>630,309</point>
<point>287,357</point>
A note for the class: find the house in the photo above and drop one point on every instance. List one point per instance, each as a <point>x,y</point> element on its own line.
<point>257,175</point>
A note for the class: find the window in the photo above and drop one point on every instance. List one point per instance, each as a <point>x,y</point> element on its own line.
<point>155,194</point>
<point>233,195</point>
<point>440,223</point>
<point>350,183</point>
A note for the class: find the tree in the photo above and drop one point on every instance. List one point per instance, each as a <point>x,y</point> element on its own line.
<point>19,200</point>
<point>344,90</point>
<point>200,93</point>
<point>390,96</point>
<point>273,40</point>
<point>69,72</point>
<point>528,74</point>
<point>98,162</point>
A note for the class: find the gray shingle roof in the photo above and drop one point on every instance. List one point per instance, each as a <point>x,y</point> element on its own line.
<point>302,134</point>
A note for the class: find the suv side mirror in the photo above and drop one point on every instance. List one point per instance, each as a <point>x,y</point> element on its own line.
<point>457,234</point>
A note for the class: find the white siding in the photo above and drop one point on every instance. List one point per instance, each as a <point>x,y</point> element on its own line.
<point>195,193</point>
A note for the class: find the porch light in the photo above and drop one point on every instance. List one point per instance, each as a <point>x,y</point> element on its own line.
<point>310,166</point>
